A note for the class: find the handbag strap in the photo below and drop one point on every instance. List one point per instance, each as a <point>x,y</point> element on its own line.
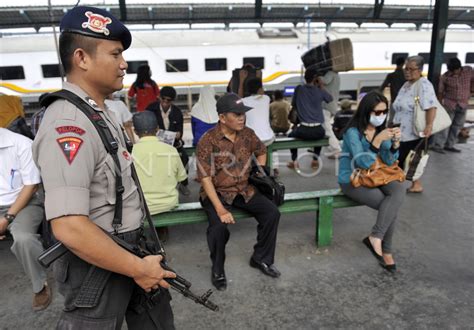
<point>422,144</point>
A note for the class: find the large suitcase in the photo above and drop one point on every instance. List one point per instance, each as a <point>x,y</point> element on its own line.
<point>336,55</point>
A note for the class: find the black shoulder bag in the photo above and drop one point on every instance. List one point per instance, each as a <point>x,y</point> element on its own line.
<point>266,184</point>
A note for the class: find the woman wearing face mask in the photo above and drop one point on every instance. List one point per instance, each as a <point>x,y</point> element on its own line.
<point>364,139</point>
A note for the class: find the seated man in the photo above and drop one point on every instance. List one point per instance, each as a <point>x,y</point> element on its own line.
<point>224,156</point>
<point>159,167</point>
<point>21,211</point>
<point>308,99</point>
<point>170,118</point>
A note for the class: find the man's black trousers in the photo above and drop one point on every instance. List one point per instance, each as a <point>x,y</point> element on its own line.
<point>267,215</point>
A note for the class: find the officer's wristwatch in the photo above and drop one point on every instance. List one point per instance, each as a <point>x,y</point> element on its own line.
<point>10,217</point>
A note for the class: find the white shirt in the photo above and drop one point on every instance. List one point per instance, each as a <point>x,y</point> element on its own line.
<point>258,118</point>
<point>120,110</point>
<point>17,167</point>
<point>404,105</point>
<point>165,116</point>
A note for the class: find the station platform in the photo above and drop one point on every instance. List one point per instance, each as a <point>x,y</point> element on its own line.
<point>340,286</point>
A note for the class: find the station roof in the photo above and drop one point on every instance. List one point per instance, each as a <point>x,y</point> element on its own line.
<point>192,13</point>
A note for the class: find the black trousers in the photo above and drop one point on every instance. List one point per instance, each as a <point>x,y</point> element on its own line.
<point>267,215</point>
<point>307,133</point>
<point>121,298</point>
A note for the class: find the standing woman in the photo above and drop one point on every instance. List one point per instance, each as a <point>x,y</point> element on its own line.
<point>144,88</point>
<point>364,139</point>
<point>204,114</point>
<point>404,107</point>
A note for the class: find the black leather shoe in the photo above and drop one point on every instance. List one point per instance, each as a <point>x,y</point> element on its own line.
<point>377,256</point>
<point>452,149</point>
<point>219,281</point>
<point>267,270</point>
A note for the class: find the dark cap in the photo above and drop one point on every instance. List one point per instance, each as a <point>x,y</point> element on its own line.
<point>145,121</point>
<point>96,23</point>
<point>231,103</point>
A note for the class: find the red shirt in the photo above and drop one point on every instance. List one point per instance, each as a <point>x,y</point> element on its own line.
<point>456,89</point>
<point>145,96</point>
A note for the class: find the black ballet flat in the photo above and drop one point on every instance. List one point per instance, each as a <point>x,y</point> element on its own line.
<point>390,268</point>
<point>377,256</point>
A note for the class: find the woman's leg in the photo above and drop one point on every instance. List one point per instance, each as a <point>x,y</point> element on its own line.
<point>373,198</point>
<point>388,212</point>
<point>405,148</point>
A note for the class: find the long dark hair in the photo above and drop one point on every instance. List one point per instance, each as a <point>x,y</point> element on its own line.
<point>361,118</point>
<point>143,76</point>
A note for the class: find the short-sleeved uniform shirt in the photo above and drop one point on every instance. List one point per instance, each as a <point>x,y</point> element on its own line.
<point>17,168</point>
<point>228,163</point>
<point>404,105</point>
<point>78,174</point>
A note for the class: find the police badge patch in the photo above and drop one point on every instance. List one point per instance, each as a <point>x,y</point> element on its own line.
<point>70,147</point>
<point>97,23</point>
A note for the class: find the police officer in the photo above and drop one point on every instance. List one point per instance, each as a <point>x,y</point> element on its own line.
<point>79,181</point>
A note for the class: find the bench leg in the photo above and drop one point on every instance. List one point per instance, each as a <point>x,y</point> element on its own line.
<point>324,221</point>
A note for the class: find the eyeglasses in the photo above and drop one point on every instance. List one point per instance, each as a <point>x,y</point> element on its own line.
<point>167,99</point>
<point>411,69</point>
<point>380,112</point>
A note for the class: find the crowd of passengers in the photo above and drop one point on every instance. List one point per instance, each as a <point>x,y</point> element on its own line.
<point>230,130</point>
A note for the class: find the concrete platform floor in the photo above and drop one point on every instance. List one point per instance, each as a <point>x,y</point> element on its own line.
<point>336,287</point>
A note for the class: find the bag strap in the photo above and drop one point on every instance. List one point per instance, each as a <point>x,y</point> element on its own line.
<point>422,144</point>
<point>107,138</point>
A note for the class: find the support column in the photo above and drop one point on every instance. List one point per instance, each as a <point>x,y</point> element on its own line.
<point>440,24</point>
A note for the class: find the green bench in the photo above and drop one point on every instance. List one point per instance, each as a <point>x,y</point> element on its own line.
<point>280,144</point>
<point>322,202</point>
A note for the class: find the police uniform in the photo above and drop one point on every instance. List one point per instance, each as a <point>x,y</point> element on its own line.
<point>79,179</point>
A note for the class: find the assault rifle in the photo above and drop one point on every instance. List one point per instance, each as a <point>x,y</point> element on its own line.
<point>179,283</point>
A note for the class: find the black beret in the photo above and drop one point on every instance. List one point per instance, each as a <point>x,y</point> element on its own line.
<point>96,23</point>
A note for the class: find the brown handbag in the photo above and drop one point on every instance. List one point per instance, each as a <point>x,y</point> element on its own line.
<point>377,175</point>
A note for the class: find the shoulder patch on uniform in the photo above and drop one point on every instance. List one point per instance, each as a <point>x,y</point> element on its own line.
<point>70,129</point>
<point>70,146</point>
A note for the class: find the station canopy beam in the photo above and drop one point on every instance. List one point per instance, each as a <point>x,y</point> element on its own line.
<point>256,12</point>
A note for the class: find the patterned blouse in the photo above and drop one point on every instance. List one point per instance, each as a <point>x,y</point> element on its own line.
<point>404,105</point>
<point>228,163</point>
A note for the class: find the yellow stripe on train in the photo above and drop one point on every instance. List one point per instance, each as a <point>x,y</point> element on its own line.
<point>268,79</point>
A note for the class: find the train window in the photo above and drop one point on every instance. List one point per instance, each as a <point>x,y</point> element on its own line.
<point>134,65</point>
<point>258,62</point>
<point>469,58</point>
<point>426,57</point>
<point>447,56</point>
<point>176,65</point>
<point>216,64</point>
<point>12,72</point>
<point>395,56</point>
<point>50,70</point>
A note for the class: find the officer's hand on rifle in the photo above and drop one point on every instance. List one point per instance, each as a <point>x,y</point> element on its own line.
<point>151,275</point>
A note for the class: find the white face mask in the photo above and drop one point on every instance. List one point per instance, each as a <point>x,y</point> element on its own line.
<point>377,120</point>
